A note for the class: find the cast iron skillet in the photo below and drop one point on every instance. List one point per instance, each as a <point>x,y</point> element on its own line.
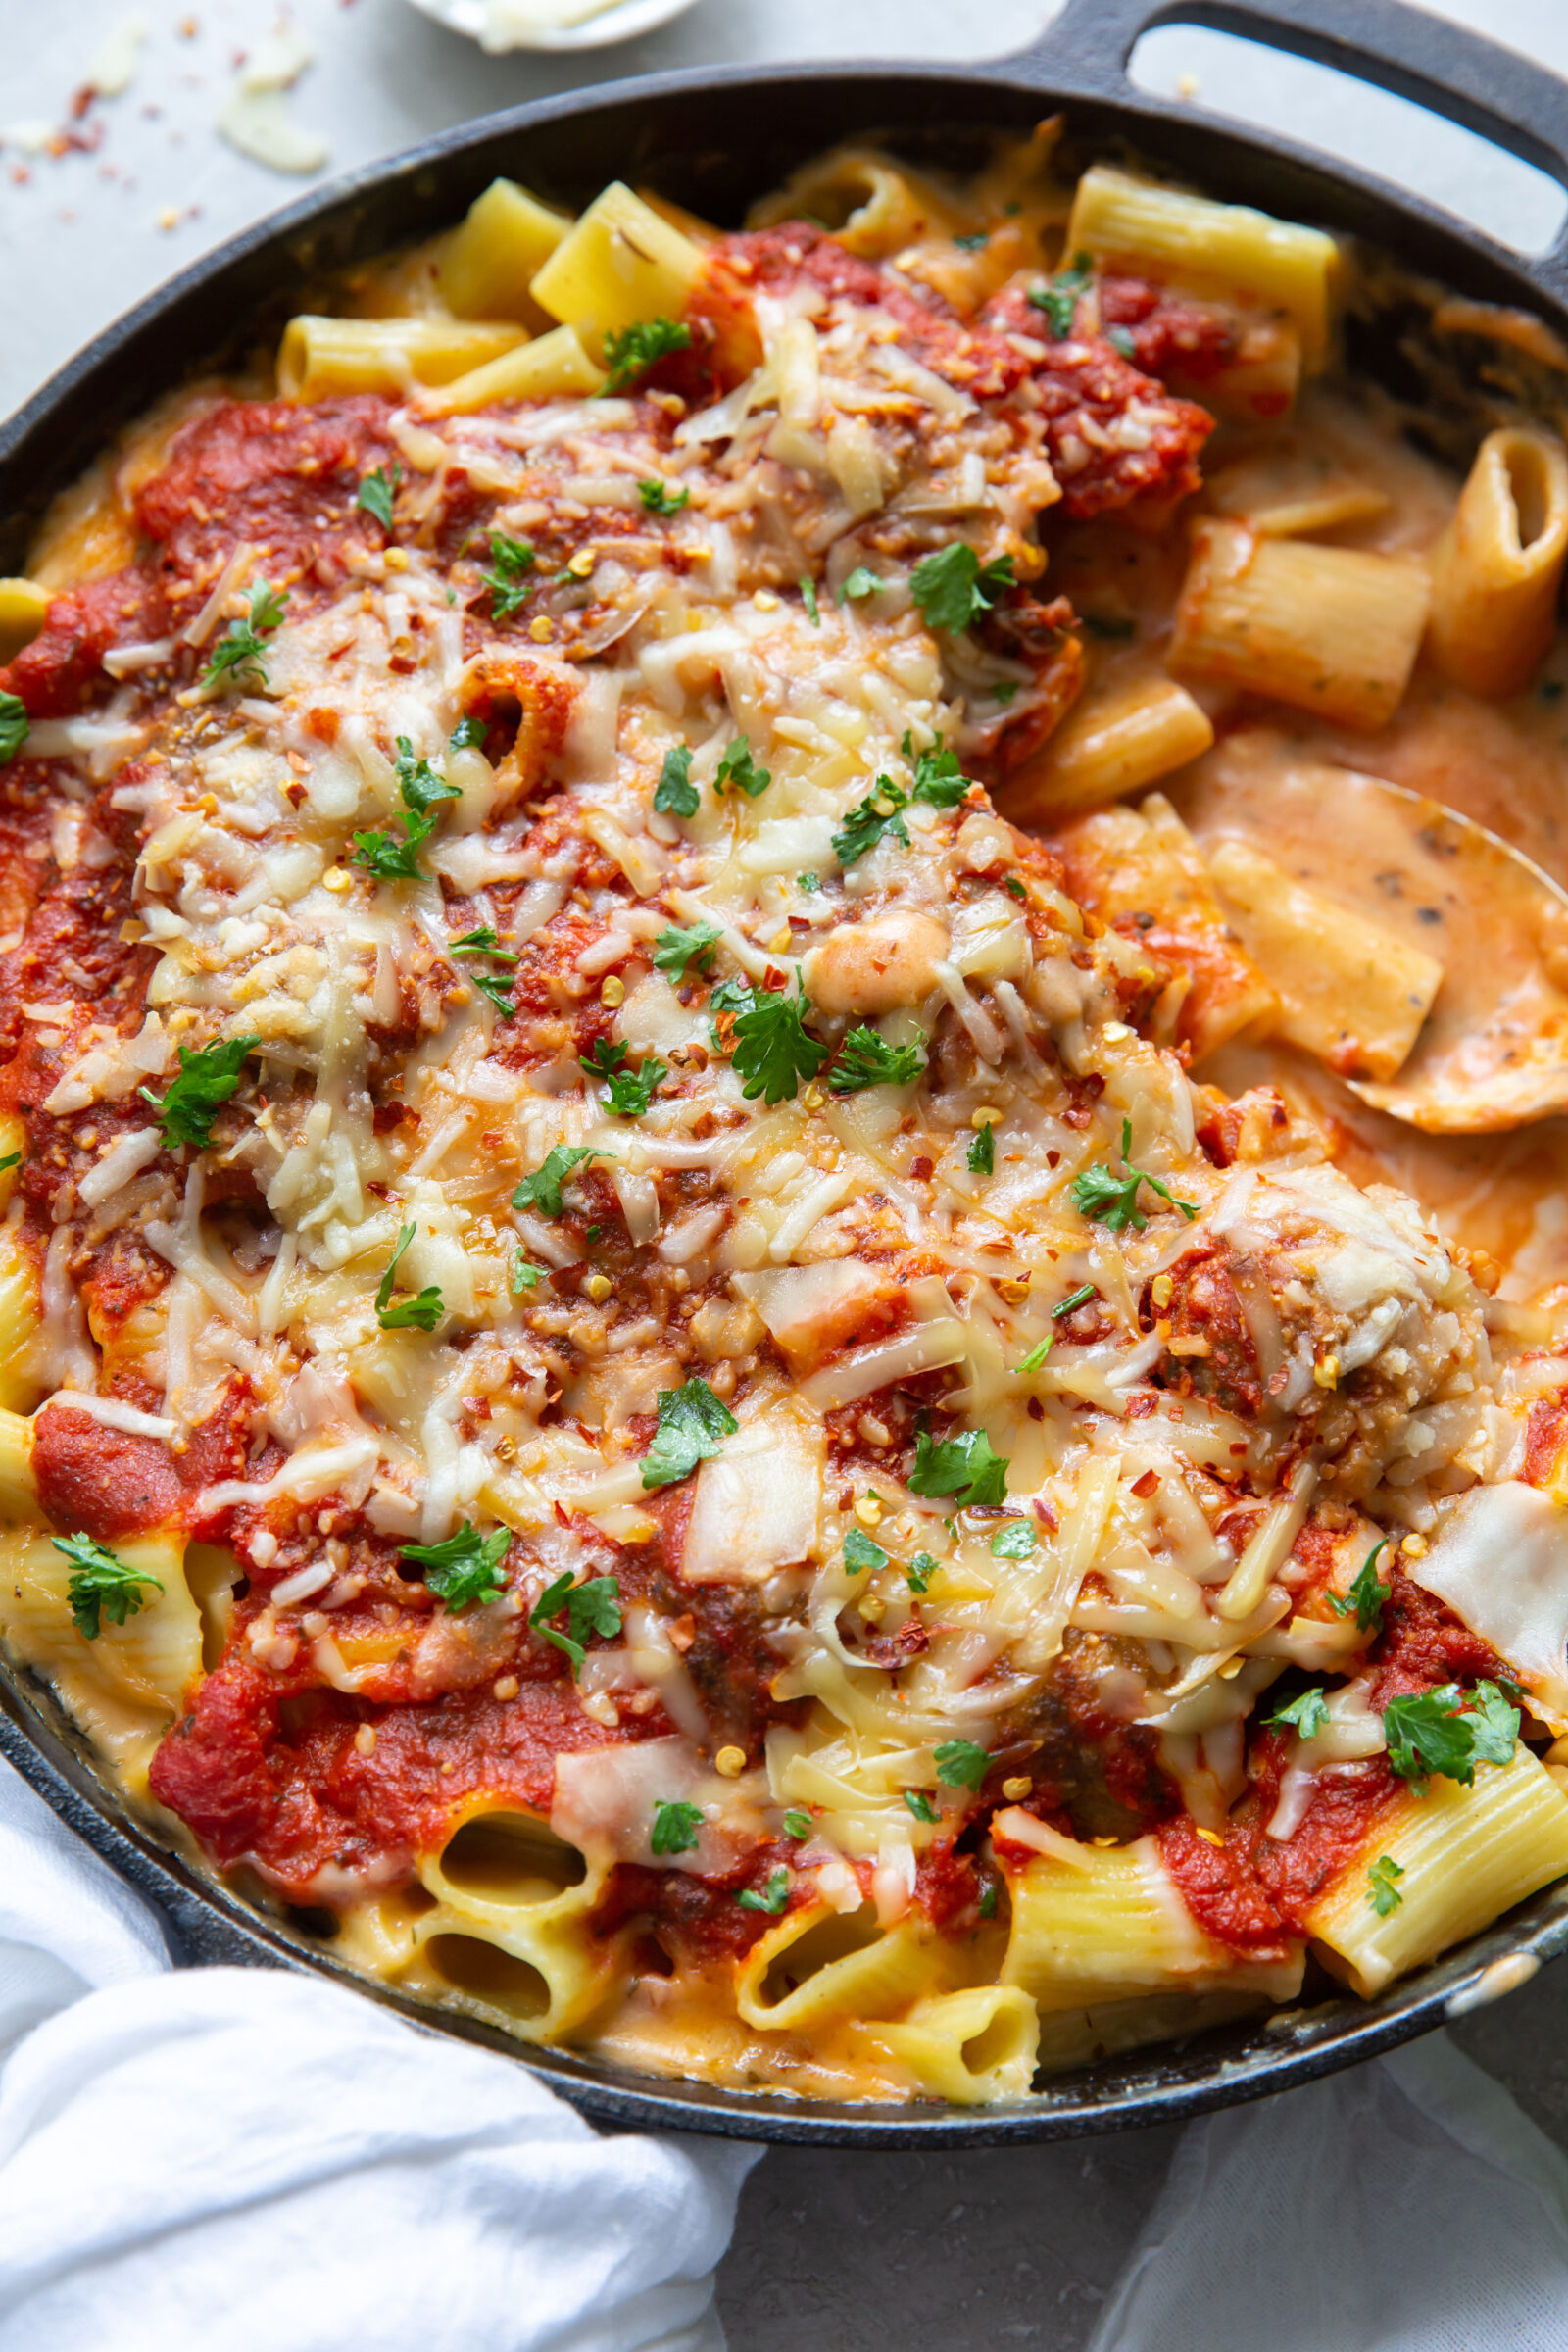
<point>715,141</point>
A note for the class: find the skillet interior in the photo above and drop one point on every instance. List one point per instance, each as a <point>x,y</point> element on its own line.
<point>713,142</point>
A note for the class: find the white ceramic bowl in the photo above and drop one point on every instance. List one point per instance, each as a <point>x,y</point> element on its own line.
<point>485,21</point>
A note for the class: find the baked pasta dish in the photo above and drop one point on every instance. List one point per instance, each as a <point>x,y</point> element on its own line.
<point>782,1285</point>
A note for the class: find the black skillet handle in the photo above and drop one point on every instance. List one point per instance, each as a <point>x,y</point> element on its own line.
<point>1492,91</point>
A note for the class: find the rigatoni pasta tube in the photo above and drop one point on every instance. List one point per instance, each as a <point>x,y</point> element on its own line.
<point>972,2047</point>
<point>24,609</point>
<point>320,357</point>
<point>1462,1856</point>
<point>1498,565</point>
<point>539,1978</point>
<point>872,206</point>
<point>619,266</point>
<point>1350,991</point>
<point>554,367</point>
<point>1140,726</point>
<point>1329,629</point>
<point>1275,264</point>
<point>818,1964</point>
<point>505,239</point>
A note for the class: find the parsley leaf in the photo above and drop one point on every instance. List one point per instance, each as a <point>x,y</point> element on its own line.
<point>12,1159</point>
<point>807,589</point>
<point>774,1897</point>
<point>1014,1542</point>
<point>983,1152</point>
<point>921,1569</point>
<point>1366,1596</point>
<point>207,1079</point>
<point>1433,1731</point>
<point>468,735</point>
<point>737,770</point>
<point>636,349</point>
<point>1120,340</point>
<point>773,1050</point>
<point>101,1585</point>
<point>866,1058</point>
<point>630,1091</point>
<point>376,492</point>
<point>593,1608</point>
<point>1036,1353</point>
<point>881,811</point>
<point>988,1899</point>
<point>390,860</point>
<point>421,788</point>
<point>920,1805</point>
<point>675,795</point>
<point>1097,1192</point>
<point>14,726</point>
<point>973,244</point>
<point>240,647</point>
<point>523,1276</point>
<point>422,1314</point>
<point>497,986</point>
<point>659,499</point>
<point>508,583</point>
<point>676,950</point>
<point>861,1551</point>
<point>964,1465</point>
<point>952,587</point>
<point>809,883</point>
<point>1307,1714</point>
<point>693,1425</point>
<point>1073,1301</point>
<point>939,780</point>
<point>1381,1893</point>
<point>798,1824</point>
<point>1060,298</point>
<point>466,1567</point>
<point>862,582</point>
<point>960,1764</point>
<point>678,1829</point>
<point>542,1190</point>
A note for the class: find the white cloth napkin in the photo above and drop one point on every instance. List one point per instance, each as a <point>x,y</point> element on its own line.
<point>246,2158</point>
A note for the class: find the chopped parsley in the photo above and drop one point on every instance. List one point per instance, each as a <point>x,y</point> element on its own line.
<point>468,735</point>
<point>376,492</point>
<point>988,1899</point>
<point>880,813</point>
<point>807,589</point>
<point>1111,1200</point>
<point>921,1569</point>
<point>775,1895</point>
<point>15,725</point>
<point>1435,1732</point>
<point>636,349</point>
<point>542,1190</point>
<point>1307,1714</point>
<point>920,1805</point>
<point>952,587</point>
<point>862,582</point>
<point>693,1424</point>
<point>964,1465</point>
<point>508,583</point>
<point>207,1079</point>
<point>12,1159</point>
<point>1120,339</point>
<point>523,1276</point>
<point>390,860</point>
<point>960,1764</point>
<point>678,1829</point>
<point>798,1824</point>
<point>676,950</point>
<point>1109,625</point>
<point>939,780</point>
<point>1366,1596</point>
<point>659,499</point>
<point>773,1050</point>
<point>629,1091</point>
<point>421,788</point>
<point>1073,1301</point>
<point>738,772</point>
<point>974,244</point>
<point>466,1568</point>
<point>1038,1354</point>
<point>809,883</point>
<point>866,1058</point>
<point>860,1551</point>
<point>422,1314</point>
<point>593,1608</point>
<point>1381,1893</point>
<point>983,1152</point>
<point>1014,1542</point>
<point>242,645</point>
<point>1058,298</point>
<point>675,795</point>
<point>497,986</point>
<point>101,1586</point>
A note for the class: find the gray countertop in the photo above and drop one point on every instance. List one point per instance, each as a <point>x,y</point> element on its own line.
<point>845,2251</point>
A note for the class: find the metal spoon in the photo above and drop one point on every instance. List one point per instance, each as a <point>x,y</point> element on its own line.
<point>1492,1052</point>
